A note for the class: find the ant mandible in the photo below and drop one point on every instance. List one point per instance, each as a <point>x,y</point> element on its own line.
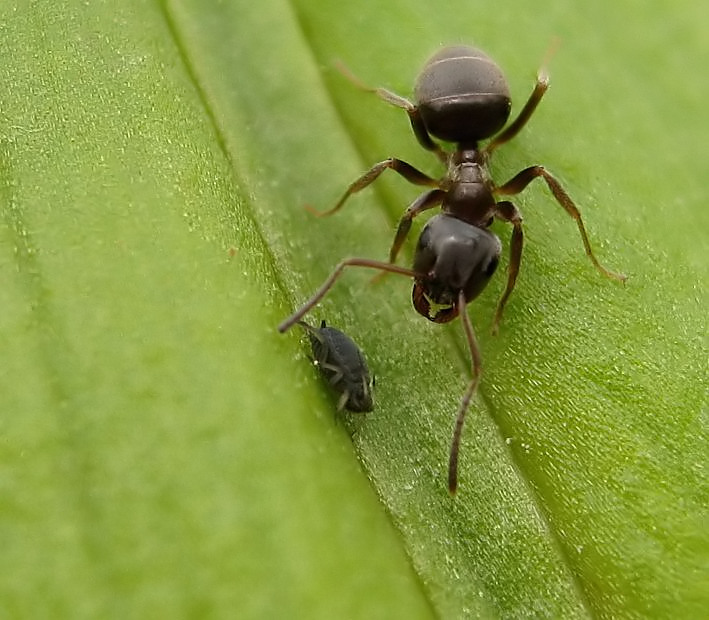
<point>462,97</point>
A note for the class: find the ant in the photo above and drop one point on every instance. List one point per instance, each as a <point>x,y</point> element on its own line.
<point>342,364</point>
<point>462,97</point>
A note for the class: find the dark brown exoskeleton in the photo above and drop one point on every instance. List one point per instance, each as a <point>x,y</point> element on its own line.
<point>461,97</point>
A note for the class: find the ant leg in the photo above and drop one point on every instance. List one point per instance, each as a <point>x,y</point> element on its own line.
<point>391,98</point>
<point>524,178</point>
<point>312,331</point>
<point>332,278</point>
<point>507,212</point>
<point>407,171</point>
<point>415,119</point>
<point>476,369</point>
<point>516,125</point>
<point>422,135</point>
<point>425,201</point>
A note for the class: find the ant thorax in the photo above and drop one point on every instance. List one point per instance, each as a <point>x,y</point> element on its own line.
<point>469,189</point>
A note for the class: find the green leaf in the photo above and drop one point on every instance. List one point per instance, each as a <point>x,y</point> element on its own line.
<point>164,452</point>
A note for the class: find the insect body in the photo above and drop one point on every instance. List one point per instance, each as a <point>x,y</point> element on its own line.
<point>341,362</point>
<point>461,97</point>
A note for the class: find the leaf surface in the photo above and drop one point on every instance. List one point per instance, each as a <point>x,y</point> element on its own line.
<point>165,452</point>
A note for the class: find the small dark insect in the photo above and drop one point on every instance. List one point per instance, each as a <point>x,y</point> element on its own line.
<point>461,97</point>
<point>341,362</point>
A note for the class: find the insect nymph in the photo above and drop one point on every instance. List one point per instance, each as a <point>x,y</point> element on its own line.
<point>342,364</point>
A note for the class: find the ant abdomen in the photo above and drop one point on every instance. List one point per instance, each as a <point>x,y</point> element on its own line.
<point>462,95</point>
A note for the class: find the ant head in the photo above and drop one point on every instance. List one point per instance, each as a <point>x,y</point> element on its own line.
<point>462,95</point>
<point>455,256</point>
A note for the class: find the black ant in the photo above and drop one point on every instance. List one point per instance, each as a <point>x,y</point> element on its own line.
<point>461,97</point>
<point>342,364</point>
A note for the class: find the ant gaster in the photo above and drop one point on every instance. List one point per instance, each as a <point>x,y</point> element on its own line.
<point>461,97</point>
